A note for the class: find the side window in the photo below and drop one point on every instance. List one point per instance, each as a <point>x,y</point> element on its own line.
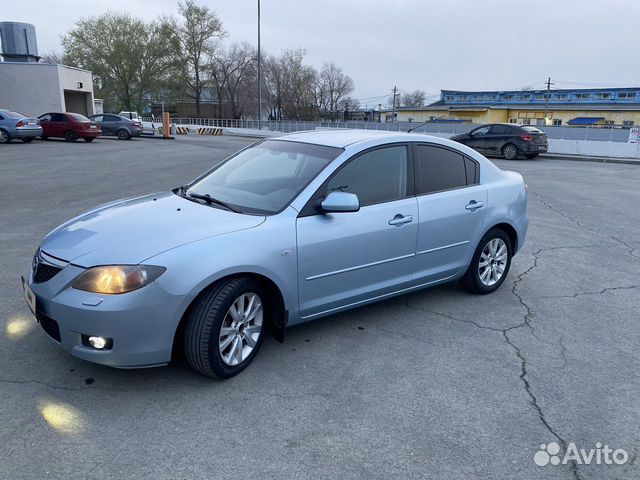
<point>377,176</point>
<point>98,118</point>
<point>480,131</point>
<point>499,129</point>
<point>440,169</point>
<point>112,118</point>
<point>46,117</point>
<point>58,117</point>
<point>473,171</point>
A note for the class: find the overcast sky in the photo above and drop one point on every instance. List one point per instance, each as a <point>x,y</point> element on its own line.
<point>427,44</point>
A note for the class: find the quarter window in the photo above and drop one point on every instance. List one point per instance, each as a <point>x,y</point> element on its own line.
<point>440,169</point>
<point>377,176</point>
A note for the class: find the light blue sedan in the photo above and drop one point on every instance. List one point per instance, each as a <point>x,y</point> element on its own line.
<point>285,231</point>
<point>16,125</point>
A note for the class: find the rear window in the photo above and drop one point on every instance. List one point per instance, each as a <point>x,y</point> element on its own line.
<point>532,129</point>
<point>78,118</point>
<point>16,115</point>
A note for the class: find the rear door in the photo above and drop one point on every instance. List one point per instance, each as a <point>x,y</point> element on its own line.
<point>452,206</point>
<point>59,124</point>
<point>109,124</point>
<point>497,138</point>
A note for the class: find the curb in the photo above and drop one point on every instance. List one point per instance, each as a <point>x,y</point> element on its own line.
<point>624,161</point>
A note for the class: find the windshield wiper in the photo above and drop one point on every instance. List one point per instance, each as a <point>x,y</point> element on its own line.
<point>209,199</point>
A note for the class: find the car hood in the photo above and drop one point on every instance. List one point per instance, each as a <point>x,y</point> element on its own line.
<point>131,231</point>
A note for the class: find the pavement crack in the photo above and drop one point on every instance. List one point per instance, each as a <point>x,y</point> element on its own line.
<point>604,290</point>
<point>524,377</point>
<point>38,382</point>
<point>631,249</point>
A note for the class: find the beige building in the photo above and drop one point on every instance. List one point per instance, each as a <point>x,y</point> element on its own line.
<point>615,106</point>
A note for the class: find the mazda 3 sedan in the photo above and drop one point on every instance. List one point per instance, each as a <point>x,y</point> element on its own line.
<point>285,231</point>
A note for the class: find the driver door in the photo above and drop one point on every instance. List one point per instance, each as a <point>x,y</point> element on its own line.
<point>477,139</point>
<point>348,258</point>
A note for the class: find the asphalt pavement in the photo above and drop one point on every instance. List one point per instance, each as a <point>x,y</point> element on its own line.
<point>436,384</point>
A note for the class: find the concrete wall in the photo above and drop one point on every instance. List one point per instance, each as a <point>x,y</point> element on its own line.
<point>37,88</point>
<point>30,88</point>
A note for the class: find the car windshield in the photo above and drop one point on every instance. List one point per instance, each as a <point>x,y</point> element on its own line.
<point>16,115</point>
<point>78,118</point>
<point>265,178</point>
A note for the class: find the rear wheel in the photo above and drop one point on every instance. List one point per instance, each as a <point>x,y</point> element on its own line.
<point>28,139</point>
<point>4,136</point>
<point>70,136</point>
<point>510,151</point>
<point>123,134</point>
<point>89,139</point>
<point>225,328</point>
<point>490,263</point>
<point>531,155</point>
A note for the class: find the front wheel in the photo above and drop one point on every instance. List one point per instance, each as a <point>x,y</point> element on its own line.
<point>490,263</point>
<point>510,151</point>
<point>225,328</point>
<point>70,137</point>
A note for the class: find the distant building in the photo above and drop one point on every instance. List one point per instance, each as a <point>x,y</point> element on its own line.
<point>35,88</point>
<point>580,107</point>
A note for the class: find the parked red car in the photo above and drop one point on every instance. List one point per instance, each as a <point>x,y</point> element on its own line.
<point>70,126</point>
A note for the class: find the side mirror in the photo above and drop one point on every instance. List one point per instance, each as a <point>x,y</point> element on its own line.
<point>340,202</point>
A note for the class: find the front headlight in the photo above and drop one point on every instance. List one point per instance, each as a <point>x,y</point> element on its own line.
<point>114,279</point>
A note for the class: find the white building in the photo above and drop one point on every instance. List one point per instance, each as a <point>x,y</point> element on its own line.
<point>36,88</point>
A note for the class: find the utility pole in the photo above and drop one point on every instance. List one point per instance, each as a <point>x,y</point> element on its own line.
<point>395,116</point>
<point>259,74</point>
<point>546,101</point>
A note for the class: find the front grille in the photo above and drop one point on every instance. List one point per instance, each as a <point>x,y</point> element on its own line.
<point>49,325</point>
<point>44,272</point>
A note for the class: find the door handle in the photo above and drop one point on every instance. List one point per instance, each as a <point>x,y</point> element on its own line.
<point>473,205</point>
<point>400,219</point>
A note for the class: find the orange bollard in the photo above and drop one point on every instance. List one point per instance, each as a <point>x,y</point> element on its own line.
<point>166,132</point>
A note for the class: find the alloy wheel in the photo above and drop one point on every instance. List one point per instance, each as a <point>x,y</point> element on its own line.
<point>510,152</point>
<point>4,136</point>
<point>241,328</point>
<point>493,262</point>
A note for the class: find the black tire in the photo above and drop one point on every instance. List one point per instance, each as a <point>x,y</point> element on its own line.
<point>471,279</point>
<point>202,330</point>
<point>28,139</point>
<point>123,134</point>
<point>510,151</point>
<point>4,136</point>
<point>531,156</point>
<point>70,136</point>
<point>89,139</point>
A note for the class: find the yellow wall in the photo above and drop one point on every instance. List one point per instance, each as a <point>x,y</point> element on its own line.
<point>505,115</point>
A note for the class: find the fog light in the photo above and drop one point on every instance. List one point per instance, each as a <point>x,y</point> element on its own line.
<point>98,342</point>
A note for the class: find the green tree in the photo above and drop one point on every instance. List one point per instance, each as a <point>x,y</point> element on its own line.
<point>126,55</point>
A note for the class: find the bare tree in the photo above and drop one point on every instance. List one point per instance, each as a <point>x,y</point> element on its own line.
<point>348,105</point>
<point>52,57</point>
<point>332,87</point>
<point>231,71</point>
<point>417,98</point>
<point>194,35</point>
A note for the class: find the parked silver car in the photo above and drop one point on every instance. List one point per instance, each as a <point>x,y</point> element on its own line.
<point>285,231</point>
<point>16,125</point>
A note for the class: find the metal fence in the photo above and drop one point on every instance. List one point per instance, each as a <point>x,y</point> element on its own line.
<point>600,133</point>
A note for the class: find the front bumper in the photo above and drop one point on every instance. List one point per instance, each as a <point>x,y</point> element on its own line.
<point>26,132</point>
<point>141,323</point>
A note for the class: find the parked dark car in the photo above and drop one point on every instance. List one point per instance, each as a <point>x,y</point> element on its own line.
<point>70,126</point>
<point>15,125</point>
<point>508,140</point>
<point>121,127</point>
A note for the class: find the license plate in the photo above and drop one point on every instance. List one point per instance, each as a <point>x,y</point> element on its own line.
<point>542,148</point>
<point>31,124</point>
<point>93,126</point>
<point>29,296</point>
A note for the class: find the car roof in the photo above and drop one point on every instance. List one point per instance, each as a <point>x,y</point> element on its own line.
<point>342,138</point>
